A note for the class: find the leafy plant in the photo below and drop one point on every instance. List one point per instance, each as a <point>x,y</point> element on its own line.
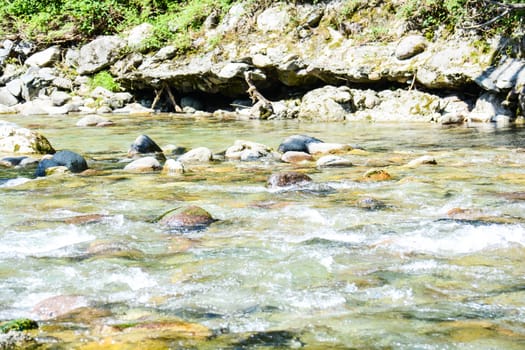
<point>105,79</point>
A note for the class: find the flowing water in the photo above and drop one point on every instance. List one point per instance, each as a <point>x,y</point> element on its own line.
<point>438,265</point>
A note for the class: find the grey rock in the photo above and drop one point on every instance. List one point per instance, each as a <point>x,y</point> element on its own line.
<point>6,98</point>
<point>91,120</point>
<point>62,83</point>
<point>488,107</point>
<point>410,46</point>
<point>247,150</point>
<point>99,54</point>
<point>60,98</point>
<point>44,58</point>
<point>332,161</point>
<point>509,73</point>
<point>138,35</point>
<point>143,164</point>
<point>71,57</point>
<point>197,155</point>
<point>173,166</point>
<point>297,143</point>
<point>15,87</point>
<point>273,19</point>
<point>326,104</point>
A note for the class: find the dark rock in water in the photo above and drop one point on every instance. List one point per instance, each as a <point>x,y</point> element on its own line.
<point>189,218</point>
<point>71,160</point>
<point>43,165</point>
<point>297,143</point>
<point>144,144</point>
<point>288,178</point>
<point>12,161</point>
<point>274,339</point>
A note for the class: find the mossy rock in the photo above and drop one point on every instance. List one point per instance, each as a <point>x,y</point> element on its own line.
<point>19,325</point>
<point>377,175</point>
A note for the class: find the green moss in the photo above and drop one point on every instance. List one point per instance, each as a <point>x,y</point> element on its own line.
<point>21,324</point>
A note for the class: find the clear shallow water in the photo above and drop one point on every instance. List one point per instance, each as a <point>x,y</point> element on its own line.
<point>281,269</point>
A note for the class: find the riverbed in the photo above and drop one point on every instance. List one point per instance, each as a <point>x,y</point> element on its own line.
<point>437,264</point>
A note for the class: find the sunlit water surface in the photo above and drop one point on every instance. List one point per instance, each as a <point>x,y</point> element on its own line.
<point>280,269</point>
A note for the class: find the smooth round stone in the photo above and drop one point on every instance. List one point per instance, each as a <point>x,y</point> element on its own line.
<point>332,161</point>
<point>288,178</point>
<point>296,157</point>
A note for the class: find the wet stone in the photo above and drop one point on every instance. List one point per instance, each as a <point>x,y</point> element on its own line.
<point>377,175</point>
<point>189,218</point>
<point>286,179</point>
<point>298,143</point>
<point>143,144</point>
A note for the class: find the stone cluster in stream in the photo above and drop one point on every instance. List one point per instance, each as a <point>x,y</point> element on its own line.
<point>322,74</point>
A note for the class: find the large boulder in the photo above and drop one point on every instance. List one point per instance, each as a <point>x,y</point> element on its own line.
<point>488,108</point>
<point>329,103</point>
<point>14,139</point>
<point>74,162</point>
<point>71,160</point>
<point>297,143</point>
<point>99,54</point>
<point>188,218</point>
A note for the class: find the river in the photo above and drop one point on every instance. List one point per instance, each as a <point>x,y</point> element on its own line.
<point>437,265</point>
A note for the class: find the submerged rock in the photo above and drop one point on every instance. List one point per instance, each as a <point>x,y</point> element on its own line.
<point>297,143</point>
<point>288,178</point>
<point>187,219</point>
<point>58,305</point>
<point>370,203</point>
<point>423,160</point>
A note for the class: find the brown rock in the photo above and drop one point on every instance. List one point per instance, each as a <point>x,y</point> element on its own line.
<point>187,218</point>
<point>289,178</point>
<point>296,157</point>
<point>377,175</point>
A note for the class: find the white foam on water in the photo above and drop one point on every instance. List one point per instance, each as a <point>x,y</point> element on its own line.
<point>420,266</point>
<point>15,182</point>
<point>458,239</point>
<point>135,278</point>
<point>14,243</point>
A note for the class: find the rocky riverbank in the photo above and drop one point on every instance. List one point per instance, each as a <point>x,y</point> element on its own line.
<point>291,64</point>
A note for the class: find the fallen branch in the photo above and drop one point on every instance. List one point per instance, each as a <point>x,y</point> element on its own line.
<point>262,104</point>
<point>158,95</point>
